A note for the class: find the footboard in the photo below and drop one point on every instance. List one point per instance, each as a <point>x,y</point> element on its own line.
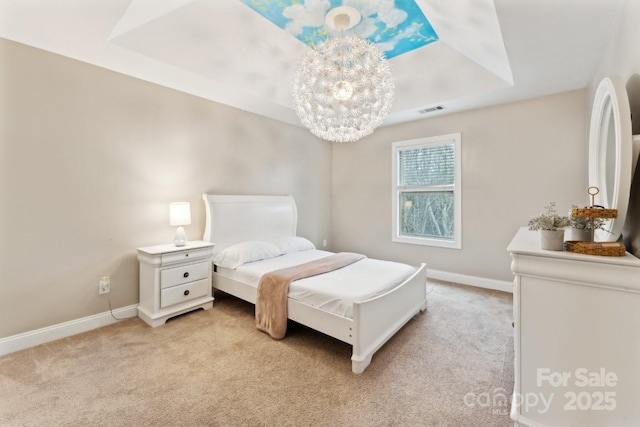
<point>378,319</point>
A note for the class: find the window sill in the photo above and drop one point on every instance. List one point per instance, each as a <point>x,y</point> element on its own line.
<point>425,241</point>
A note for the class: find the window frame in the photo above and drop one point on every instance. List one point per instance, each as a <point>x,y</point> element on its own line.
<point>456,187</point>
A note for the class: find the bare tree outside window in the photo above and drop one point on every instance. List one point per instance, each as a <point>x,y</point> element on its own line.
<point>427,214</point>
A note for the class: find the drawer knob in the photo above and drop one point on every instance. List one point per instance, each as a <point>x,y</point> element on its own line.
<point>186,292</point>
<point>186,274</point>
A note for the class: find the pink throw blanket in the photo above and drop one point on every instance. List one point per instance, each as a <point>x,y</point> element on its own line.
<point>273,288</point>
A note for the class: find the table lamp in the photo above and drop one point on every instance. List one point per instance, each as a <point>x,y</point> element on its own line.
<point>180,214</point>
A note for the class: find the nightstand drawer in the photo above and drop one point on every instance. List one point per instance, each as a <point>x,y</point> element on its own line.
<point>181,275</point>
<point>186,256</point>
<point>182,293</point>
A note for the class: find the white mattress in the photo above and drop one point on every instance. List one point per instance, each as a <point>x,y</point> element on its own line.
<point>335,291</point>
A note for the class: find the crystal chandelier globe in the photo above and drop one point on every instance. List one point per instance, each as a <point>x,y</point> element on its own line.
<point>343,88</point>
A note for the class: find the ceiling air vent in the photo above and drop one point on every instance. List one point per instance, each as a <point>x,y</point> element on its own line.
<point>431,109</point>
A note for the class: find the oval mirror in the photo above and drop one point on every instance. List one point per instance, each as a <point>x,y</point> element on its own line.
<point>610,153</point>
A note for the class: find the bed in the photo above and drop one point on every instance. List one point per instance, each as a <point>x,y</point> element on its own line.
<point>364,322</point>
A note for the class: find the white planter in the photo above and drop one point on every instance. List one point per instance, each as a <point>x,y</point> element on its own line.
<point>552,240</point>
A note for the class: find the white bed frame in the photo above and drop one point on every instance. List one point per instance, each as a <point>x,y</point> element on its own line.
<point>233,219</point>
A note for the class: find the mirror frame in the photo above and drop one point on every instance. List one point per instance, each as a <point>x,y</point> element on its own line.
<point>611,108</point>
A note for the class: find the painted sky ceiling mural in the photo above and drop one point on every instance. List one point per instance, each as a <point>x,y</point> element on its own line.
<point>397,27</point>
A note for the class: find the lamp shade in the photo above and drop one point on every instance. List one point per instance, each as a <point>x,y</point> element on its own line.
<point>180,213</point>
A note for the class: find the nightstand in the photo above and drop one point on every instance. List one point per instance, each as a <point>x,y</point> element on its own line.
<point>174,280</point>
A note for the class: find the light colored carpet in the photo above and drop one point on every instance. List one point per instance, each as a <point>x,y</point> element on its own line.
<point>214,368</point>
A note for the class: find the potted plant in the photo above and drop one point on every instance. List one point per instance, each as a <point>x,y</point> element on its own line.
<point>581,226</point>
<point>551,226</point>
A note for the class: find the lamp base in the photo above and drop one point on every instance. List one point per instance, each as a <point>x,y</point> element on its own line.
<point>181,237</point>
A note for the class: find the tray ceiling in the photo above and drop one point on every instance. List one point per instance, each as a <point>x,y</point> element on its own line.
<point>459,54</point>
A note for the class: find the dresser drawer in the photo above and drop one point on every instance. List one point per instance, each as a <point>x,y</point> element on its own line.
<point>183,293</point>
<point>186,256</point>
<point>185,274</point>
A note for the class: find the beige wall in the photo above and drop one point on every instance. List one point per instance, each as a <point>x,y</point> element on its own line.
<point>91,159</point>
<point>622,58</point>
<point>515,159</point>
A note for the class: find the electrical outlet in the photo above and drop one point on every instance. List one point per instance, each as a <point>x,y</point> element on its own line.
<point>105,285</point>
<point>324,243</point>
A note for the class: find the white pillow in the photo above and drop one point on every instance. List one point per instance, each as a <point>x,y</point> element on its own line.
<point>291,244</point>
<point>241,253</point>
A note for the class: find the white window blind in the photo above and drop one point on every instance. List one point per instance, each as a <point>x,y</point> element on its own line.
<point>434,165</point>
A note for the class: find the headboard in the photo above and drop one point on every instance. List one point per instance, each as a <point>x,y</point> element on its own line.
<point>235,219</point>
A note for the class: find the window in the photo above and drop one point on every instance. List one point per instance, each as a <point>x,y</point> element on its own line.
<point>427,195</point>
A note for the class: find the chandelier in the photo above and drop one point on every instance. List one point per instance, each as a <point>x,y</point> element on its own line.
<point>343,88</point>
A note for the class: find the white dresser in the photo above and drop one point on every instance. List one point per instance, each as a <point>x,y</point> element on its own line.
<point>577,337</point>
<point>174,280</point>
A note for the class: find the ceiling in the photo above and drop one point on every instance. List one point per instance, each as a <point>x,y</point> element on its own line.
<point>487,52</point>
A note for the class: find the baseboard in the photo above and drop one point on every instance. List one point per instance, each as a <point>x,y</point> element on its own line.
<point>520,421</point>
<point>480,282</point>
<point>62,330</point>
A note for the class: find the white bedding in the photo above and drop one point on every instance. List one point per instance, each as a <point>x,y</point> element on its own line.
<point>334,292</point>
